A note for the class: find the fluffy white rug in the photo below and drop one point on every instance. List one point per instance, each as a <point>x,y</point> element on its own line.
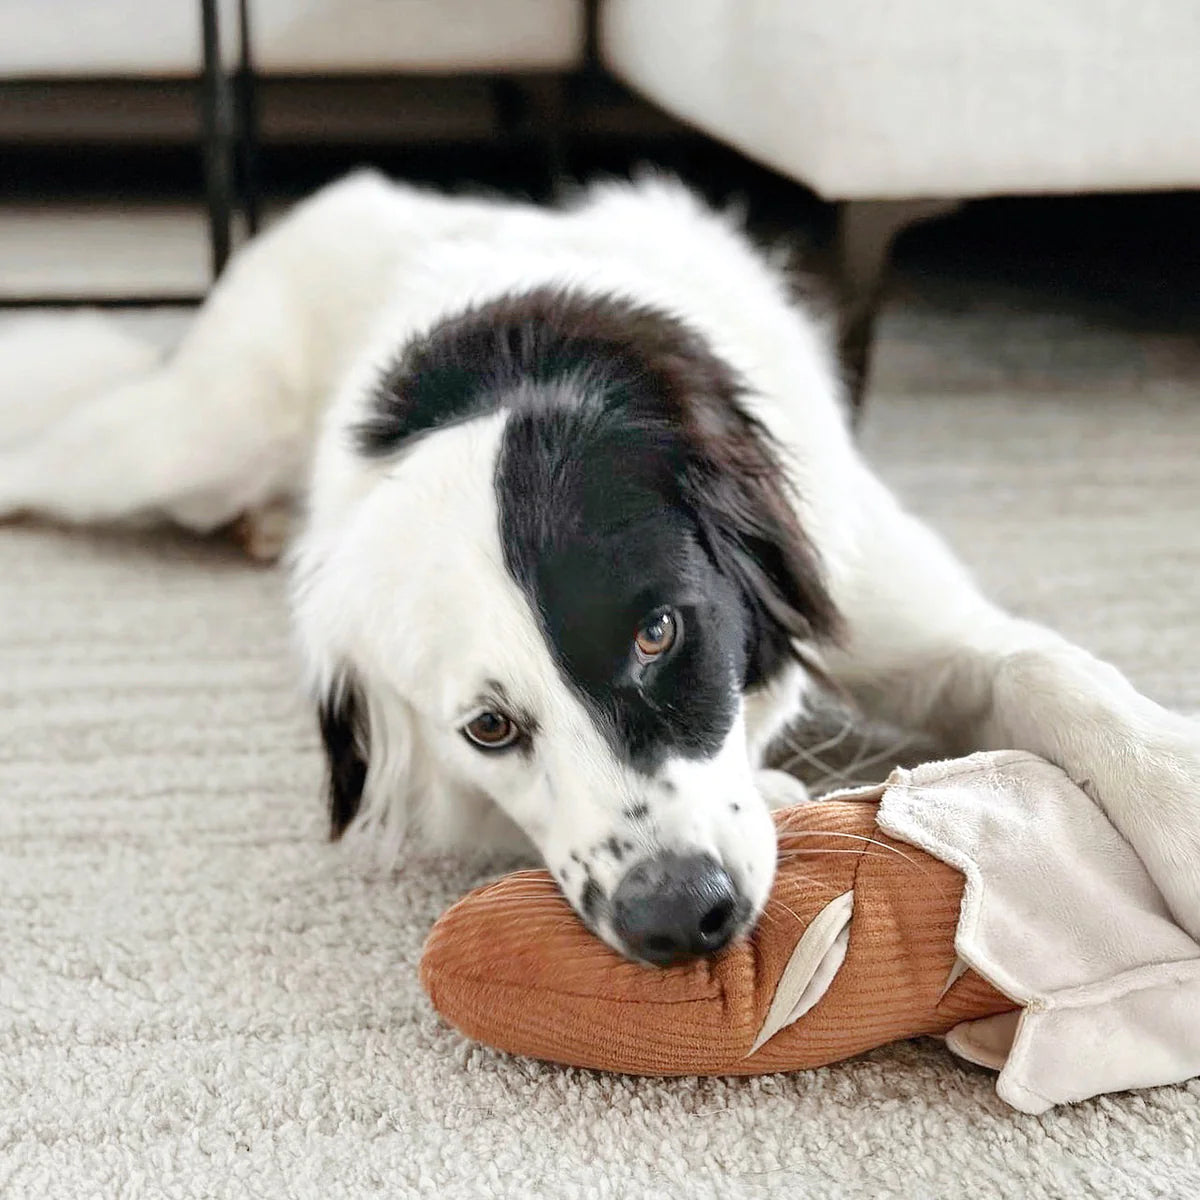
<point>200,997</point>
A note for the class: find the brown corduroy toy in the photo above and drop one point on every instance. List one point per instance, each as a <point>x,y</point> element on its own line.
<point>855,949</point>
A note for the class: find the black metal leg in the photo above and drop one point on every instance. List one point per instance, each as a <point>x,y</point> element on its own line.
<point>548,111</point>
<point>591,36</point>
<point>866,231</point>
<point>247,96</point>
<point>217,112</point>
<point>534,110</point>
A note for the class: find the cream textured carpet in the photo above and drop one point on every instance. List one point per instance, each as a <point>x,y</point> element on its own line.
<point>199,997</point>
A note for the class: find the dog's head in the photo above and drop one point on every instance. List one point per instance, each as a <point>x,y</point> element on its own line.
<point>570,559</point>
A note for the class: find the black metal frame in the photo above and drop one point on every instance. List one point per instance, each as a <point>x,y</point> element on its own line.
<point>229,113</point>
<point>247,106</point>
<point>230,123</point>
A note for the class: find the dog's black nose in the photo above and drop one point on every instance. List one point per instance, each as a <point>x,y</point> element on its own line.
<point>673,907</point>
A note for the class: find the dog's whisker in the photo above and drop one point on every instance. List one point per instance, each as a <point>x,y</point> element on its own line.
<point>548,896</point>
<point>821,851</point>
<point>790,911</point>
<point>837,739</point>
<point>530,897</point>
<point>812,754</point>
<point>801,755</point>
<point>837,833</point>
<point>882,754</point>
<point>847,727</point>
<point>817,883</point>
<point>766,917</point>
<point>844,777</point>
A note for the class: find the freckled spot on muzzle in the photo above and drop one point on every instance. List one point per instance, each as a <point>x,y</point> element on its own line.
<point>590,899</point>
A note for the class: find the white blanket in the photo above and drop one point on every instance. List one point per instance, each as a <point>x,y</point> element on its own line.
<point>1059,914</point>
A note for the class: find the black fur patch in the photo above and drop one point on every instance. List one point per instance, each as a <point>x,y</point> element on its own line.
<point>451,375</point>
<point>632,477</point>
<point>342,718</point>
<point>590,899</point>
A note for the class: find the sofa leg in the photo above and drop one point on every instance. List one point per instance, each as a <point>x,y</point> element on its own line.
<point>247,105</point>
<point>866,231</point>
<point>550,118</point>
<point>218,118</point>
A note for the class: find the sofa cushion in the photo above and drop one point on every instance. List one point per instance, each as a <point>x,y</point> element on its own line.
<point>122,38</point>
<point>872,99</point>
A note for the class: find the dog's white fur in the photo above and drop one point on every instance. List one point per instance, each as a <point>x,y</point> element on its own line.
<point>241,416</point>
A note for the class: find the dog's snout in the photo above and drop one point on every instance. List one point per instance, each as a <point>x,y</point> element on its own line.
<point>674,907</point>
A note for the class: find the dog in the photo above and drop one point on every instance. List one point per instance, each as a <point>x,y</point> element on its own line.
<point>581,529</point>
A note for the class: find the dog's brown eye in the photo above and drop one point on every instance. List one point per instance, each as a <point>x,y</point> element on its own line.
<point>492,731</point>
<point>657,635</point>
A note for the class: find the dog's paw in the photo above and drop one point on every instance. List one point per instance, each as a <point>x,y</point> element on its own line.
<point>264,532</point>
<point>780,790</point>
<point>14,492</point>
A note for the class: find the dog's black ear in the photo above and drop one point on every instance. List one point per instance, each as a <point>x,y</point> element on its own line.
<point>343,719</point>
<point>735,484</point>
<point>729,472</point>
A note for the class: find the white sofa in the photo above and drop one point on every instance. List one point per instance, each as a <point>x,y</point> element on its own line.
<point>56,39</point>
<point>119,71</point>
<point>873,99</point>
<point>900,110</point>
<point>895,110</point>
<point>859,99</point>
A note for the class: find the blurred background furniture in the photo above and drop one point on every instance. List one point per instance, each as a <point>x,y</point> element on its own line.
<point>891,110</point>
<point>540,40</point>
<point>888,114</point>
<point>138,75</point>
<point>124,94</point>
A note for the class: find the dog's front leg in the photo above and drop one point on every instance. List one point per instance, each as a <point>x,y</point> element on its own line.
<point>1138,761</point>
<point>926,651</point>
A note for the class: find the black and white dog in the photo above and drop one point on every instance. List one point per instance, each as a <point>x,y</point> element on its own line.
<point>582,523</point>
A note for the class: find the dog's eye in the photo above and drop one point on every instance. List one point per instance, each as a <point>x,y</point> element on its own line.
<point>491,731</point>
<point>656,635</point>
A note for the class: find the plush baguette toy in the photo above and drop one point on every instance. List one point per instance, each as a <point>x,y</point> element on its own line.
<point>985,900</point>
